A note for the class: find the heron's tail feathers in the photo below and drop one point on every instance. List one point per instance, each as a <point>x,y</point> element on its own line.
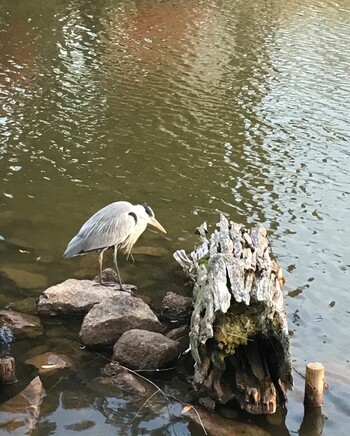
<point>74,248</point>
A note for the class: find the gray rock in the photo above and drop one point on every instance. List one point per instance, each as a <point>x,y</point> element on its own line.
<point>177,308</point>
<point>21,324</point>
<point>74,296</point>
<point>140,349</point>
<point>108,320</point>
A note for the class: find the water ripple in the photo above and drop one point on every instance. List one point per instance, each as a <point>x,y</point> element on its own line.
<point>195,107</point>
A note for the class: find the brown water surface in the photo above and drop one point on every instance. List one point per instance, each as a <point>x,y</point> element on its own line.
<point>195,107</point>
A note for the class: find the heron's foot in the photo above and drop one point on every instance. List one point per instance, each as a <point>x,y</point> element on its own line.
<point>125,289</point>
<point>117,286</point>
<point>103,283</point>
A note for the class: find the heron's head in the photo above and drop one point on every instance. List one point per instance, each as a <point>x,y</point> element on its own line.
<point>147,214</point>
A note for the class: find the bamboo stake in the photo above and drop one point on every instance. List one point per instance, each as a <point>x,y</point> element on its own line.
<point>7,370</point>
<point>314,385</point>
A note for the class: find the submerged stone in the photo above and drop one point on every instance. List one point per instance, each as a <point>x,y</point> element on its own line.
<point>181,336</point>
<point>21,324</point>
<point>177,308</point>
<point>21,412</point>
<point>119,381</point>
<point>215,424</point>
<point>49,362</point>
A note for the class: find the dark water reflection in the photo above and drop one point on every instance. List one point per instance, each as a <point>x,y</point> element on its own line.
<point>196,107</point>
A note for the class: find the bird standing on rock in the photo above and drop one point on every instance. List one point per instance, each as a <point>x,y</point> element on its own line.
<point>118,225</point>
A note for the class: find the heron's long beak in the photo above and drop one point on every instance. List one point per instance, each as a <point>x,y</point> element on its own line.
<point>155,223</point>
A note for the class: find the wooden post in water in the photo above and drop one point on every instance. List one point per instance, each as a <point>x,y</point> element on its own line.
<point>314,385</point>
<point>313,399</point>
<point>7,370</point>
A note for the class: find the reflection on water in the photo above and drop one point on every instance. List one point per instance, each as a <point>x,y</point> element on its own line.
<point>195,108</point>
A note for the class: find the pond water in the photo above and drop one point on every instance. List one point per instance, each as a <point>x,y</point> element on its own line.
<point>196,107</point>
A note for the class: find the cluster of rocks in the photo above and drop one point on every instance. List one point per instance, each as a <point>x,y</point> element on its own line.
<point>112,318</point>
<point>116,318</point>
<point>16,325</point>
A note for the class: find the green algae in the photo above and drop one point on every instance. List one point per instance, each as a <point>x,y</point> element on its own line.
<point>232,330</point>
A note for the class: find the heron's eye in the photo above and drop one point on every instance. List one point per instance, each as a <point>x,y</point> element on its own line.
<point>148,210</point>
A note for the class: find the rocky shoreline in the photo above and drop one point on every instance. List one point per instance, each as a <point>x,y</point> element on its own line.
<point>121,326</point>
<point>117,319</point>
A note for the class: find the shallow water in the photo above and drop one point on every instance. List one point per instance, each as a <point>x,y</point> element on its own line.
<point>195,107</point>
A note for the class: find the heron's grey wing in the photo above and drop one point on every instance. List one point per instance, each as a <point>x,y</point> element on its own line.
<point>108,227</point>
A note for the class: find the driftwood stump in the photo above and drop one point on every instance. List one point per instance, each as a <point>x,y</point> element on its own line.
<point>239,337</point>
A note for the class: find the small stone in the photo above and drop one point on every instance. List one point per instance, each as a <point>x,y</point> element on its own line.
<point>21,324</point>
<point>49,362</point>
<point>110,276</point>
<point>207,402</point>
<point>140,349</point>
<point>60,346</point>
<point>119,381</point>
<point>177,308</point>
<point>108,320</point>
<point>111,369</point>
<point>181,336</point>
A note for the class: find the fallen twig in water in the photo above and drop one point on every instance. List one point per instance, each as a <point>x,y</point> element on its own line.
<point>144,404</point>
<point>154,370</point>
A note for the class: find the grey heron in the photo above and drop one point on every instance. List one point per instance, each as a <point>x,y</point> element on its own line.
<point>117,225</point>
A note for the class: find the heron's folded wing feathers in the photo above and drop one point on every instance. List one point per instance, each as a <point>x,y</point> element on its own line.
<point>108,227</point>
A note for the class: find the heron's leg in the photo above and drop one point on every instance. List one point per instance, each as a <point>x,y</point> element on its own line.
<point>100,279</point>
<point>100,261</point>
<point>116,265</point>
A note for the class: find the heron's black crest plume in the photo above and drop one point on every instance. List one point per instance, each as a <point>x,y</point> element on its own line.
<point>148,210</point>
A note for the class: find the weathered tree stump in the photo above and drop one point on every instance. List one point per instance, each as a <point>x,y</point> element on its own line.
<point>239,336</point>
